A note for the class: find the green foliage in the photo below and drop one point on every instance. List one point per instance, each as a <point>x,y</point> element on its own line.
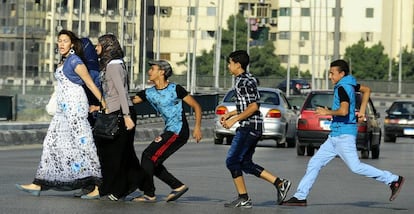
<point>263,60</point>
<point>367,63</point>
<point>407,71</point>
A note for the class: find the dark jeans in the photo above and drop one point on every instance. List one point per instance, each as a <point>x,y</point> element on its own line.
<point>240,155</point>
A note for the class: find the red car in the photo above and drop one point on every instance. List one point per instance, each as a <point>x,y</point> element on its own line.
<point>313,130</point>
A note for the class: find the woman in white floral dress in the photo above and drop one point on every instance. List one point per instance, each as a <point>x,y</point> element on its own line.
<point>69,159</point>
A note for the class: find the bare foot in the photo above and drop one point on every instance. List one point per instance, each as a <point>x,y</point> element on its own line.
<point>31,186</point>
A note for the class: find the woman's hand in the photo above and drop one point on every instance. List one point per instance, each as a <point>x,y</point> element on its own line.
<point>129,124</point>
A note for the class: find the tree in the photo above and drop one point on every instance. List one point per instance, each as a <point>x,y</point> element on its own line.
<point>407,65</point>
<point>367,63</point>
<point>263,60</point>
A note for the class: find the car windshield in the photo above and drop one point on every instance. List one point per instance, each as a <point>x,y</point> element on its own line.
<point>402,108</point>
<point>303,82</point>
<point>325,99</point>
<point>266,97</point>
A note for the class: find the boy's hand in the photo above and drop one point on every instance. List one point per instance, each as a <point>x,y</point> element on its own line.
<point>197,134</point>
<point>322,111</point>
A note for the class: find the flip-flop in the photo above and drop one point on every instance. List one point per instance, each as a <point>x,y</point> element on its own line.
<point>175,194</point>
<point>145,199</point>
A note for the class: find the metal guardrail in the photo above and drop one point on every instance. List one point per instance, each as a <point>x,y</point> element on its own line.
<point>208,102</point>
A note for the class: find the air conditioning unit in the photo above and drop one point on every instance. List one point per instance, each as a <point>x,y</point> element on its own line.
<point>128,13</point>
<point>165,11</point>
<point>60,10</point>
<point>75,11</point>
<point>111,13</point>
<point>102,12</point>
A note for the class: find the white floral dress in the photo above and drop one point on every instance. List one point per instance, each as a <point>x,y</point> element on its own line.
<point>69,159</point>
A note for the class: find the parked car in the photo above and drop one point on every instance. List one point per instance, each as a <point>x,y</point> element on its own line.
<point>297,86</point>
<point>313,130</point>
<point>279,117</point>
<point>399,121</point>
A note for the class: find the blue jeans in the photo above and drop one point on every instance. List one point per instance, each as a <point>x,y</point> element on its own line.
<point>240,154</point>
<point>345,147</point>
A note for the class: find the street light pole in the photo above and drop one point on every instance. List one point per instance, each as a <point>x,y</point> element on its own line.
<point>188,44</point>
<point>24,50</point>
<point>80,19</point>
<point>144,44</point>
<point>193,69</point>
<point>158,29</point>
<point>218,44</point>
<point>289,52</point>
<point>400,62</point>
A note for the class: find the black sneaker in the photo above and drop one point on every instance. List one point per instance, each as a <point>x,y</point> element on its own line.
<point>282,190</point>
<point>294,202</point>
<point>240,202</point>
<point>396,187</point>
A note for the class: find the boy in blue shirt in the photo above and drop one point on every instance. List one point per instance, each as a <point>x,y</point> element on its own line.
<point>342,138</point>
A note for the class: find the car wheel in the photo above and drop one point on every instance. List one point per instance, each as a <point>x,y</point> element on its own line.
<point>291,142</point>
<point>300,150</point>
<point>364,154</point>
<point>281,143</point>
<point>389,138</point>
<point>229,139</point>
<point>375,150</point>
<point>218,140</point>
<point>310,150</point>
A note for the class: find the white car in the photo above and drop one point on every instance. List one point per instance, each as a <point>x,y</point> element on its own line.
<point>279,117</point>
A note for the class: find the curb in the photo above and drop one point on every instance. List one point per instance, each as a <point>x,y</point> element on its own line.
<point>36,136</point>
<point>25,133</point>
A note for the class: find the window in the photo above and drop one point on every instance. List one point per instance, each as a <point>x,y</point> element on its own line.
<point>303,59</point>
<point>273,36</point>
<point>262,10</point>
<point>274,13</point>
<point>332,36</point>
<point>166,56</point>
<point>211,11</point>
<point>305,12</point>
<point>191,11</point>
<point>165,33</point>
<point>334,12</point>
<point>303,35</point>
<point>94,29</point>
<point>284,11</point>
<point>369,12</point>
<point>112,28</point>
<point>284,35</point>
<point>284,58</point>
<point>368,36</point>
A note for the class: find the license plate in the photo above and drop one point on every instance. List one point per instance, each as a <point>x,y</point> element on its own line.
<point>325,124</point>
<point>408,131</point>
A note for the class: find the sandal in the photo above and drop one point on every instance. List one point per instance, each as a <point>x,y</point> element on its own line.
<point>145,199</point>
<point>175,194</point>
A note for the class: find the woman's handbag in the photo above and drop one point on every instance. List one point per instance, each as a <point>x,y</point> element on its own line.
<point>107,125</point>
<point>51,106</point>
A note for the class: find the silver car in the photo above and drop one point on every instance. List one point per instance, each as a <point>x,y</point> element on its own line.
<point>279,117</point>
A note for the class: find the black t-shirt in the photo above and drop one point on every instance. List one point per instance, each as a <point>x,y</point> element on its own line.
<point>343,96</point>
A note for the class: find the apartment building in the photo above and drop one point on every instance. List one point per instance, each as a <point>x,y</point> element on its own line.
<point>306,29</point>
<point>301,30</point>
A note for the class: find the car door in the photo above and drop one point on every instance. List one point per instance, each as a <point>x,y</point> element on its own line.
<point>291,116</point>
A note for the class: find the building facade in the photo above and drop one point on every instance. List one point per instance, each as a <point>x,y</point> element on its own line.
<point>303,31</point>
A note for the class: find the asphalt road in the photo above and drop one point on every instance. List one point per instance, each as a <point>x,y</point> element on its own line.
<point>201,167</point>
